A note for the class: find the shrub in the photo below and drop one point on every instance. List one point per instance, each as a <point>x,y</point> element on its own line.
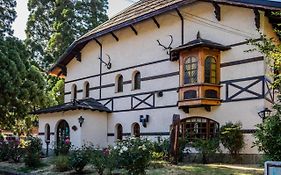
<point>16,150</point>
<point>133,154</point>
<point>100,159</point>
<point>268,136</point>
<point>63,147</point>
<point>232,138</point>
<point>62,163</point>
<point>4,150</point>
<point>79,158</point>
<point>33,150</point>
<point>161,149</point>
<point>206,147</point>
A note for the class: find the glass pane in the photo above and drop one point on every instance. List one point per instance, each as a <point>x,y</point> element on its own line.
<point>210,70</point>
<point>190,70</point>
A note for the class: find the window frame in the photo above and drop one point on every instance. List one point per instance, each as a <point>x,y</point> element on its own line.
<point>212,72</point>
<point>74,92</point>
<point>47,132</point>
<point>119,83</point>
<point>135,130</point>
<point>136,80</point>
<point>200,127</point>
<point>119,131</point>
<point>190,73</point>
<point>86,89</point>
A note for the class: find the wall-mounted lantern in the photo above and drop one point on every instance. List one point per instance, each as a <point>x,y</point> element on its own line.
<point>81,120</point>
<point>264,113</point>
<point>144,120</point>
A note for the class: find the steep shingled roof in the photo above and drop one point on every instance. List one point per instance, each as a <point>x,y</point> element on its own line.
<point>144,10</point>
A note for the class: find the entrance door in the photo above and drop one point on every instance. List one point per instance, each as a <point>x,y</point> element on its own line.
<point>62,132</point>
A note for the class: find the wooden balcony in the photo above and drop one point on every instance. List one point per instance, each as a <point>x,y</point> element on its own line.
<point>199,95</point>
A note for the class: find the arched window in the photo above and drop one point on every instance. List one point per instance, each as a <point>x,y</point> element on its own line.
<point>190,70</point>
<point>210,70</point>
<point>47,132</point>
<point>74,91</point>
<point>119,83</point>
<point>136,80</point>
<point>86,89</point>
<point>119,131</point>
<point>135,130</point>
<point>199,127</point>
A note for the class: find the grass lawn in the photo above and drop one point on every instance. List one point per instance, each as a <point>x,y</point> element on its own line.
<point>199,169</point>
<point>156,168</point>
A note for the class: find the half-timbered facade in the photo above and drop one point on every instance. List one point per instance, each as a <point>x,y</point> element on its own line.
<point>157,58</point>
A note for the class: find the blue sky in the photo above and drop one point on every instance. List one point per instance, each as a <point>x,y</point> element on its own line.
<point>22,13</point>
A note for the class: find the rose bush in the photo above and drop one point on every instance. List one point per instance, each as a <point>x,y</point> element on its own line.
<point>133,154</point>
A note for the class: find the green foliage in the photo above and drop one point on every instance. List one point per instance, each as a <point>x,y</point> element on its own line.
<point>268,135</point>
<point>22,86</point>
<point>133,154</point>
<point>232,138</point>
<point>206,147</point>
<point>53,25</point>
<point>16,151</point>
<point>160,149</point>
<point>62,163</point>
<point>33,150</point>
<point>7,16</point>
<point>4,153</point>
<point>101,160</point>
<point>79,158</point>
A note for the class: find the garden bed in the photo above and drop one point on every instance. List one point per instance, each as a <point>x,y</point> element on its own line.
<point>156,168</point>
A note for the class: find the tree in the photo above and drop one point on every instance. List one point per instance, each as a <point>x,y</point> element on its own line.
<point>232,138</point>
<point>268,134</point>
<point>22,85</point>
<point>53,25</point>
<point>7,16</point>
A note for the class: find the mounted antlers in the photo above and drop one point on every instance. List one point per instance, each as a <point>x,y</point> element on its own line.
<point>107,64</point>
<point>167,48</point>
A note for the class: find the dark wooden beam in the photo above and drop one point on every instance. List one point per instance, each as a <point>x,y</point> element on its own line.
<point>63,69</point>
<point>78,56</point>
<point>114,36</point>
<point>257,18</point>
<point>133,29</point>
<point>217,11</point>
<point>156,22</point>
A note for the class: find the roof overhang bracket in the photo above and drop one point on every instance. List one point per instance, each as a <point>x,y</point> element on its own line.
<point>156,22</point>
<point>114,36</point>
<point>257,18</point>
<point>217,11</point>
<point>134,30</point>
<point>63,70</point>
<point>78,56</point>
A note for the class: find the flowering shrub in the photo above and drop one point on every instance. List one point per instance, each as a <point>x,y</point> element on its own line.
<point>79,158</point>
<point>63,147</point>
<point>103,159</point>
<point>133,154</point>
<point>33,149</point>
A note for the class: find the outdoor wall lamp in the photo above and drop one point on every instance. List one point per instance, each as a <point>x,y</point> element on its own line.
<point>81,120</point>
<point>264,113</point>
<point>144,120</point>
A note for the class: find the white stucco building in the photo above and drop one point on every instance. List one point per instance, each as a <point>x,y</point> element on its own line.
<point>122,82</point>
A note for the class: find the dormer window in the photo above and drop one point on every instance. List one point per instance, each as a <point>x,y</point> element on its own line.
<point>199,73</point>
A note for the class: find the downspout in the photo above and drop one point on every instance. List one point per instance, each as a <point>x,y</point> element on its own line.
<point>100,58</point>
<point>182,26</point>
